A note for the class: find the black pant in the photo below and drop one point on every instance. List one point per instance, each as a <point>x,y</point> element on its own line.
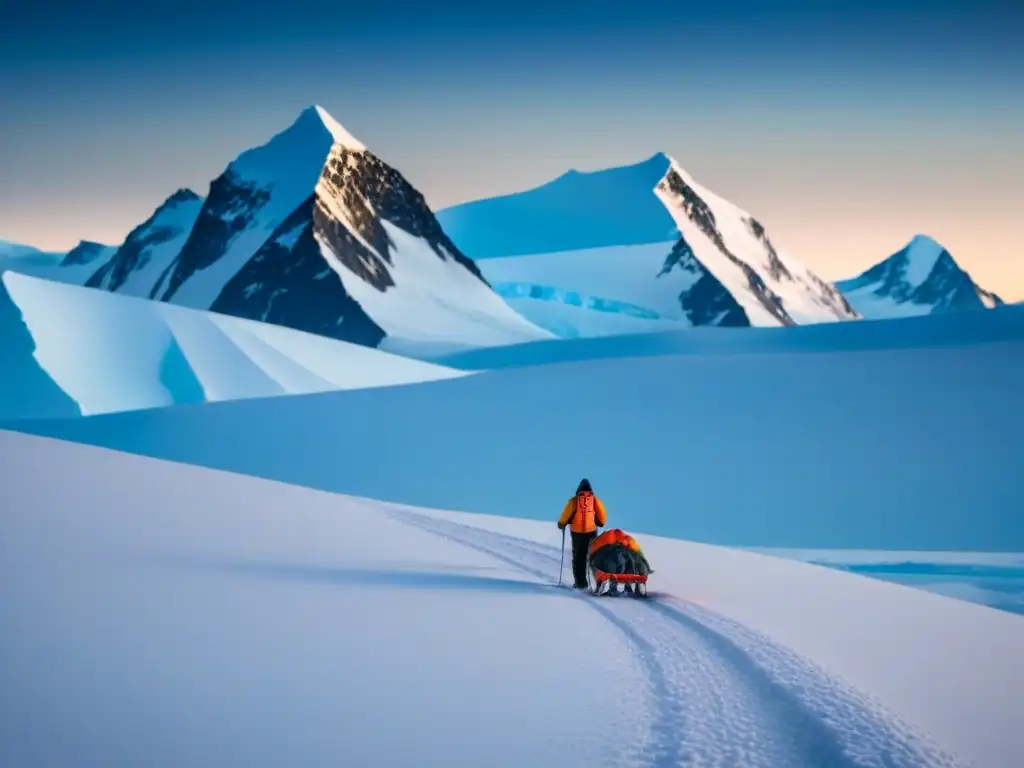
<point>580,545</point>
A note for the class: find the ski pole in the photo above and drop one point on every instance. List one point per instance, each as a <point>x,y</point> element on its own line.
<point>561,564</point>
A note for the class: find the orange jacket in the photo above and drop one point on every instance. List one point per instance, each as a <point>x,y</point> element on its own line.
<point>584,522</point>
<point>614,536</point>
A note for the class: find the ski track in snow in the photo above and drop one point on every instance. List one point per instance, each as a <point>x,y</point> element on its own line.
<point>716,693</point>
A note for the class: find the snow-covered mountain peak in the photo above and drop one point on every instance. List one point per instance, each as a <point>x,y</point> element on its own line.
<point>294,158</point>
<point>313,231</point>
<point>733,249</point>
<point>715,262</point>
<point>920,278</point>
<point>333,127</point>
<point>183,195</point>
<point>86,252</point>
<point>142,263</point>
<point>922,253</point>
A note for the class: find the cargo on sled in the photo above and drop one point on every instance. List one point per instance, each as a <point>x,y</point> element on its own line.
<point>617,564</point>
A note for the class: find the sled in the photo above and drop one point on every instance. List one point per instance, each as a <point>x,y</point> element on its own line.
<point>601,583</point>
<point>621,565</point>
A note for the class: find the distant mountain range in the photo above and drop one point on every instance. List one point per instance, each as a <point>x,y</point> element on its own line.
<point>313,231</point>
<point>644,242</point>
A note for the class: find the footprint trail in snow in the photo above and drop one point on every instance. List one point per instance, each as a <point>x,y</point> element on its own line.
<point>716,693</point>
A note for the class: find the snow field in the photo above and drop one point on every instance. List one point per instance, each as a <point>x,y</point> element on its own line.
<point>259,621</point>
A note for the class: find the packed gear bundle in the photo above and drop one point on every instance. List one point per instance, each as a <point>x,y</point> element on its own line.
<point>616,561</point>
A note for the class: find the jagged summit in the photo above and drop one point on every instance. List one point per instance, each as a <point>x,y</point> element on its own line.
<point>293,159</point>
<point>311,230</point>
<point>149,250</point>
<point>336,129</point>
<point>182,195</point>
<point>920,278</point>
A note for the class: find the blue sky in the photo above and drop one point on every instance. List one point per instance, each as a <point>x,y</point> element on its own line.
<point>845,127</point>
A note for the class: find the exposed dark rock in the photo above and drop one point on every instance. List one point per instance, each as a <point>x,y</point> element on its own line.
<point>700,213</point>
<point>775,266</point>
<point>134,251</point>
<point>230,208</point>
<point>706,302</point>
<point>947,288</point>
<point>289,283</point>
<point>370,190</point>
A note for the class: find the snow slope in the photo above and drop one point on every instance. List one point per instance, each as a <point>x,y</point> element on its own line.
<point>569,255</point>
<point>106,352</point>
<point>265,622</point>
<point>731,245</point>
<point>787,450</point>
<point>26,389</point>
<point>578,210</point>
<point>921,278</point>
<point>313,231</point>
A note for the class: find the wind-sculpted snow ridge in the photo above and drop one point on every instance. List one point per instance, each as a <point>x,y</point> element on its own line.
<point>107,353</point>
<point>716,693</point>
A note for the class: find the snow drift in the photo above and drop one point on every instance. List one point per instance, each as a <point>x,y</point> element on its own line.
<point>263,623</point>
<point>921,278</point>
<point>70,349</point>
